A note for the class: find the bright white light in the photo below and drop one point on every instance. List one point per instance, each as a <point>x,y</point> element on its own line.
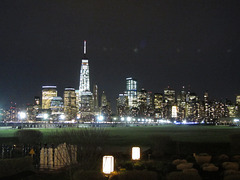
<point>22,115</point>
<point>134,119</point>
<point>122,118</point>
<point>129,118</point>
<point>184,121</point>
<point>100,118</point>
<point>174,111</point>
<point>136,153</point>
<point>45,116</point>
<point>139,119</point>
<point>108,164</point>
<point>236,120</point>
<point>164,121</point>
<point>114,118</point>
<point>62,117</point>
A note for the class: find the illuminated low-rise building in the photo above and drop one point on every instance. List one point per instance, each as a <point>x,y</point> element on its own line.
<point>56,105</point>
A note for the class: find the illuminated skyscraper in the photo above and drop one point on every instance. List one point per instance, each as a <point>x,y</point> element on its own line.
<point>169,100</point>
<point>122,105</point>
<point>70,105</point>
<point>169,96</point>
<point>104,100</point>
<point>206,105</point>
<point>131,91</point>
<point>238,100</point>
<point>105,106</point>
<point>95,99</point>
<point>48,92</point>
<point>85,95</point>
<point>142,102</point>
<point>84,85</point>
<point>158,105</point>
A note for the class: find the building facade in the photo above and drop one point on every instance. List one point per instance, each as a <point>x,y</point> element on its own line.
<point>48,93</point>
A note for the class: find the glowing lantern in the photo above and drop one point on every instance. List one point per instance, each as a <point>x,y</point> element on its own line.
<point>108,164</point>
<point>136,153</point>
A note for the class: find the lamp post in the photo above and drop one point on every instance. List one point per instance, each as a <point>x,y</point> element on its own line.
<point>108,165</point>
<point>45,117</point>
<point>22,115</point>
<point>135,153</point>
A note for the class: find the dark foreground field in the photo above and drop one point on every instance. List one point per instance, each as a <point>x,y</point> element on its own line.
<point>160,145</point>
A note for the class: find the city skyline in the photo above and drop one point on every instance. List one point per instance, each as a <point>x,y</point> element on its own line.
<point>160,44</point>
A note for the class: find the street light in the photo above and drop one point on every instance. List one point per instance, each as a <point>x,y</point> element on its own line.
<point>22,115</point>
<point>45,117</point>
<point>62,117</point>
<point>129,118</point>
<point>100,118</point>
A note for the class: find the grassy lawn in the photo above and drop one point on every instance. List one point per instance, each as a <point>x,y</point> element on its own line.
<point>142,135</point>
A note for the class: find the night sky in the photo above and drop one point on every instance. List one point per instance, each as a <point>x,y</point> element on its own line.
<point>160,43</point>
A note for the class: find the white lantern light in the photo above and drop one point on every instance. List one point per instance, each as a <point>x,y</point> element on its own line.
<point>108,164</point>
<point>136,153</point>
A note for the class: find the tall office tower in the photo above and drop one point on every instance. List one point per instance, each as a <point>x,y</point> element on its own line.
<point>169,96</point>
<point>169,101</point>
<point>206,106</point>
<point>70,103</point>
<point>142,102</point>
<point>48,92</point>
<point>84,85</point>
<point>104,101</point>
<point>150,105</point>
<point>95,99</point>
<point>181,98</point>
<point>181,103</point>
<point>131,91</point>
<point>85,95</point>
<point>192,107</point>
<point>122,105</point>
<point>105,107</point>
<point>158,105</point>
<point>238,100</point>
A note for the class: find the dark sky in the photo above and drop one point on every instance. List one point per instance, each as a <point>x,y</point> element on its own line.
<point>160,43</point>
